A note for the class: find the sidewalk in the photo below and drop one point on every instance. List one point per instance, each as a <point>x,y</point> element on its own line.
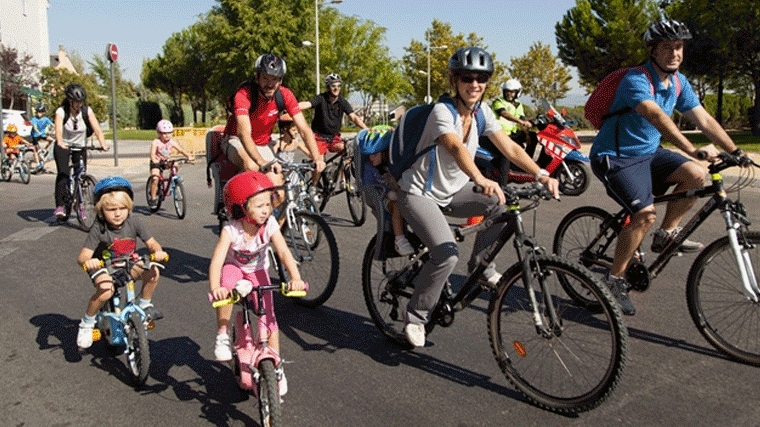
<point>133,159</point>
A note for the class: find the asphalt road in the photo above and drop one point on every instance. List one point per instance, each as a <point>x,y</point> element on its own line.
<point>341,371</point>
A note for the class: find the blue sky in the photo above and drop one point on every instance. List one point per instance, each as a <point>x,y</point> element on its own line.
<point>140,27</point>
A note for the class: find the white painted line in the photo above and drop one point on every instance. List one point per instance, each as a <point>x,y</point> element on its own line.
<point>28,234</point>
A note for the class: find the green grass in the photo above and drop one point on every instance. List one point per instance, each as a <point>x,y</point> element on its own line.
<point>133,134</point>
<point>743,139</point>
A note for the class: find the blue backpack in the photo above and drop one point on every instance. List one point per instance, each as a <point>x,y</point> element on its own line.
<point>403,152</point>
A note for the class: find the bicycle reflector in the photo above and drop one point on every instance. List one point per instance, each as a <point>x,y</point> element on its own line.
<point>95,334</point>
<point>519,349</point>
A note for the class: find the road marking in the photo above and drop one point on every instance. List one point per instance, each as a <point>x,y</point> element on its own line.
<point>28,234</point>
<point>6,250</point>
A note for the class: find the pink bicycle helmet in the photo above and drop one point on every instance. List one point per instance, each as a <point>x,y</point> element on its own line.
<point>165,126</point>
<point>242,187</point>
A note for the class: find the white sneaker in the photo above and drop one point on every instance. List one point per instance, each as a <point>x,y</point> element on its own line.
<point>403,247</point>
<point>490,277</point>
<point>222,350</point>
<point>84,336</point>
<point>415,334</point>
<point>282,383</point>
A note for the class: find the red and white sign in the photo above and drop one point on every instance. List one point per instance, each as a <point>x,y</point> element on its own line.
<point>112,52</point>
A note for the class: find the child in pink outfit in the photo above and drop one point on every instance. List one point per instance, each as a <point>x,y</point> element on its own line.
<point>241,254</point>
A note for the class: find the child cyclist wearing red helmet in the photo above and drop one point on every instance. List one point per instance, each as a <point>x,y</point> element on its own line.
<point>240,255</point>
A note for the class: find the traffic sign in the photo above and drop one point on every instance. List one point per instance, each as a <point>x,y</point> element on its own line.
<point>112,52</point>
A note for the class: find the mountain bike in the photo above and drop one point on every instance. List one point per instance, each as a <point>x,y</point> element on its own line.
<point>257,366</point>
<point>16,164</point>
<point>309,237</point>
<point>343,165</point>
<point>122,323</point>
<point>560,354</point>
<point>172,185</point>
<point>80,196</point>
<point>722,286</point>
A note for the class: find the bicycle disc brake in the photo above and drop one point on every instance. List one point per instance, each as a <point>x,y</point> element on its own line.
<point>637,276</point>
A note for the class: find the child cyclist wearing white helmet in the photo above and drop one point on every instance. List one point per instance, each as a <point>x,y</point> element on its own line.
<point>160,150</point>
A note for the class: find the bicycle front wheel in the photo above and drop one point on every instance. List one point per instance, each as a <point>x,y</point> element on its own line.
<point>85,202</point>
<point>356,206</point>
<point>138,352</point>
<point>574,363</point>
<point>7,172</point>
<point>23,172</point>
<point>179,199</point>
<point>313,245</point>
<point>270,409</point>
<point>572,242</point>
<point>727,319</point>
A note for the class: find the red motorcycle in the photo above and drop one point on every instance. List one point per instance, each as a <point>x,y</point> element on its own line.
<point>555,147</point>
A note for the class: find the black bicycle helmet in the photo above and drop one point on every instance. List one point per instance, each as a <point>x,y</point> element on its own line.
<point>110,184</point>
<point>472,59</point>
<point>41,108</point>
<point>270,64</point>
<point>666,29</point>
<point>75,92</point>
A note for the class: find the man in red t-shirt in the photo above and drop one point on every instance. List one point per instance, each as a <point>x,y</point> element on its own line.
<point>248,131</point>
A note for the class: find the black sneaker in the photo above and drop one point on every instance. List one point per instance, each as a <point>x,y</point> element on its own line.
<point>618,287</point>
<point>151,313</point>
<point>662,238</point>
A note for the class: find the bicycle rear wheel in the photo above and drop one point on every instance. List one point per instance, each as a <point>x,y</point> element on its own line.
<point>574,234</point>
<point>156,205</point>
<point>313,245</point>
<point>7,172</point>
<point>387,287</point>
<point>572,366</point>
<point>179,199</point>
<point>85,202</point>
<point>138,352</point>
<point>727,319</point>
<point>355,196</point>
<point>270,410</point>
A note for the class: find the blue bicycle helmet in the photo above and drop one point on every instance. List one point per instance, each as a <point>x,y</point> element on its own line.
<point>374,140</point>
<point>112,183</point>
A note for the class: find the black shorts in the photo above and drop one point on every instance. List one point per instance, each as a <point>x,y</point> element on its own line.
<point>634,181</point>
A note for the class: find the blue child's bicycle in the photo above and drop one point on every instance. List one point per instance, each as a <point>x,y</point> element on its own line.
<point>122,323</point>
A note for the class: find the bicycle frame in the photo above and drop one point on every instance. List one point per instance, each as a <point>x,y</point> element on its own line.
<point>718,200</point>
<point>115,320</point>
<point>251,351</point>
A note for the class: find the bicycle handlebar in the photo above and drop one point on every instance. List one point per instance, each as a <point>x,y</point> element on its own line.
<point>146,261</point>
<point>236,295</point>
<point>514,193</point>
<point>288,166</point>
<point>728,160</point>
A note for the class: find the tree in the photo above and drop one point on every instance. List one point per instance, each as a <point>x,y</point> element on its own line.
<point>600,36</point>
<point>54,81</point>
<point>415,61</point>
<point>538,71</point>
<point>17,73</point>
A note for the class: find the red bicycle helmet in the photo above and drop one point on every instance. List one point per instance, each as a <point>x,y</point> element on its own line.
<point>240,188</point>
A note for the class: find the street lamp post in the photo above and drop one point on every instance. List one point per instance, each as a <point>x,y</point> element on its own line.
<point>428,98</point>
<point>316,34</point>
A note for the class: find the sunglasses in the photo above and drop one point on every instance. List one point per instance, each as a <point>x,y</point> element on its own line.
<point>481,78</point>
<point>335,86</point>
<point>76,122</point>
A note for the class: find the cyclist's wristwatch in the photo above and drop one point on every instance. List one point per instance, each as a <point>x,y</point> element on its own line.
<point>542,172</point>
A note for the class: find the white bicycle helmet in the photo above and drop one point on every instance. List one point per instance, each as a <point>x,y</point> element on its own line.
<point>512,85</point>
<point>332,78</point>
<point>165,126</point>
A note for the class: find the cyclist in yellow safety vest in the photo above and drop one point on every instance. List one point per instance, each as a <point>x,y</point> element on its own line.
<point>509,110</point>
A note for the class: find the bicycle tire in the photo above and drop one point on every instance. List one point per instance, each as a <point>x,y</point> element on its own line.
<point>355,196</point>
<point>727,319</point>
<point>23,172</point>
<point>6,170</point>
<point>138,351</point>
<point>270,409</point>
<point>584,357</point>
<point>159,193</point>
<point>324,187</point>
<point>180,205</point>
<point>85,203</point>
<point>573,236</point>
<point>386,301</point>
<point>318,261</point>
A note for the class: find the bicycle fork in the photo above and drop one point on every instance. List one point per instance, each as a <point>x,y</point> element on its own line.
<point>526,252</point>
<point>749,280</point>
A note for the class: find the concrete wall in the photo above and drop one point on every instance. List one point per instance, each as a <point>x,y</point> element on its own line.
<point>24,27</point>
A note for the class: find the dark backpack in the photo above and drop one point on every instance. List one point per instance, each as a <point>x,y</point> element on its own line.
<point>85,118</point>
<point>597,108</point>
<point>403,150</point>
<point>278,99</point>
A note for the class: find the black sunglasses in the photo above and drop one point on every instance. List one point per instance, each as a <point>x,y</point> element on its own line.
<point>481,78</point>
<point>76,122</point>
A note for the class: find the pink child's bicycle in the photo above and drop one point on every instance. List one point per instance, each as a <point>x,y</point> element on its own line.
<point>255,364</point>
